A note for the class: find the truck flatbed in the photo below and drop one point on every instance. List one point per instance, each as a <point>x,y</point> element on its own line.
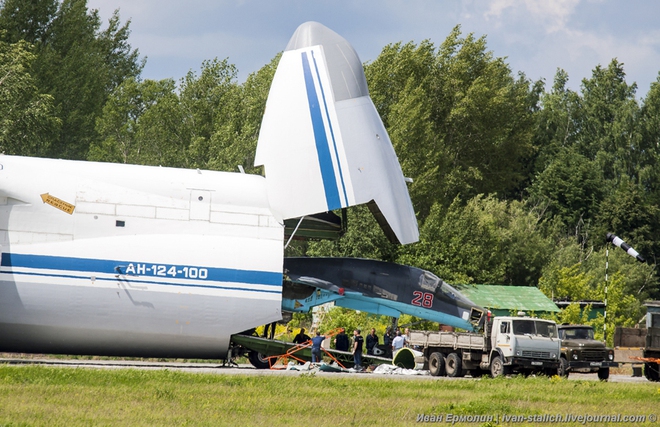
<point>455,340</point>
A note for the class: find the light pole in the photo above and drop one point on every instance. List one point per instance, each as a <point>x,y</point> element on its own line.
<point>630,251</point>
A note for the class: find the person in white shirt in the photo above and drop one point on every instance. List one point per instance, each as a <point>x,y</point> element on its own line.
<point>397,342</point>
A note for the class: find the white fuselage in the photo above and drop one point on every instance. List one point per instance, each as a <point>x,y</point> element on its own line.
<point>152,261</point>
<point>129,260</point>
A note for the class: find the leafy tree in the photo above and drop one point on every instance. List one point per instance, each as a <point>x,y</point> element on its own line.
<point>488,126</point>
<point>570,284</point>
<point>206,101</point>
<point>162,137</point>
<point>76,62</point>
<point>156,123</point>
<point>398,69</point>
<point>26,20</point>
<point>339,317</point>
<point>234,139</point>
<point>27,121</point>
<point>574,315</point>
<point>139,125</point>
<point>363,239</point>
<point>459,121</point>
<point>557,126</point>
<point>485,241</point>
<point>608,132</point>
<point>649,123</point>
<point>596,158</point>
<point>571,186</point>
<point>577,272</point>
<point>629,283</point>
<point>301,320</point>
<point>630,211</point>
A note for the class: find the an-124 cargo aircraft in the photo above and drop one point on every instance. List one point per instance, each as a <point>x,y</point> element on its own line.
<point>127,260</point>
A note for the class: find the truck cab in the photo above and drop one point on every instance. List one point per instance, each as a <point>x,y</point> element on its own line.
<point>652,343</point>
<point>524,345</point>
<point>642,344</point>
<point>580,352</point>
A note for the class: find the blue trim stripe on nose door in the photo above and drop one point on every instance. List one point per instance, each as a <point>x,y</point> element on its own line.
<point>322,148</point>
<point>332,133</point>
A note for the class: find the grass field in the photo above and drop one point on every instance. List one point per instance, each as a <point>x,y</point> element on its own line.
<point>47,396</point>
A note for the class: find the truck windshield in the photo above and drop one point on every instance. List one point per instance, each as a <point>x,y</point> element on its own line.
<point>577,334</point>
<point>655,320</point>
<point>546,329</point>
<point>534,327</point>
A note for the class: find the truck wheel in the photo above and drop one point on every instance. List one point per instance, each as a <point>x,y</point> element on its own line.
<point>603,374</point>
<point>651,371</point>
<point>563,368</point>
<point>454,366</point>
<point>437,364</point>
<point>497,368</point>
<point>258,360</point>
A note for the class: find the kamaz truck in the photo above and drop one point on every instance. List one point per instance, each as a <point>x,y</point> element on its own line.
<point>504,345</point>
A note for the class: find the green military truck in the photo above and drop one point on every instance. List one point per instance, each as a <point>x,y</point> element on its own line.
<point>581,353</point>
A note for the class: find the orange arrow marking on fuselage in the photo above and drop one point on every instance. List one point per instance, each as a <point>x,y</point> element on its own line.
<point>58,203</point>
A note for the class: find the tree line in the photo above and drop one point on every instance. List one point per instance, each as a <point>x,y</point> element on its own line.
<point>515,181</point>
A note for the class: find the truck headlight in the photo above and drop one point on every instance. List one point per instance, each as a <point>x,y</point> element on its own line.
<point>553,355</point>
<point>610,356</point>
<point>517,352</point>
<point>575,356</point>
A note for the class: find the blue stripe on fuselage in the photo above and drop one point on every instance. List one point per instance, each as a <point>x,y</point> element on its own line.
<point>322,148</point>
<point>98,266</point>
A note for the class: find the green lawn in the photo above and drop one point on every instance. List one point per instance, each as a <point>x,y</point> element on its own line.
<point>37,395</point>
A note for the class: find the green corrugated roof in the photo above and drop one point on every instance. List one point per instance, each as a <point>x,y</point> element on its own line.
<point>498,297</point>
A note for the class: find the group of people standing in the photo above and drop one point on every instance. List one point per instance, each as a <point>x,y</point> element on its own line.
<point>341,343</point>
<point>393,342</point>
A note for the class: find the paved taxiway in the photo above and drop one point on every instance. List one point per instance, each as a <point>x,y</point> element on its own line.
<point>212,368</point>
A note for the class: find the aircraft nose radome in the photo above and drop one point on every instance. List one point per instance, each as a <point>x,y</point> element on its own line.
<point>344,65</point>
<point>311,34</point>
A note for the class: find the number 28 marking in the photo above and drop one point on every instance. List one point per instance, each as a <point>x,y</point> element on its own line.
<point>422,299</point>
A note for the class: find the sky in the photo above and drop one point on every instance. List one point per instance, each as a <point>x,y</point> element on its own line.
<point>535,36</point>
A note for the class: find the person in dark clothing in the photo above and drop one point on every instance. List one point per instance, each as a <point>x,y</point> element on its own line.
<point>301,338</point>
<point>341,340</point>
<point>269,330</point>
<point>316,347</point>
<point>372,341</point>
<point>357,349</point>
<point>387,341</point>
